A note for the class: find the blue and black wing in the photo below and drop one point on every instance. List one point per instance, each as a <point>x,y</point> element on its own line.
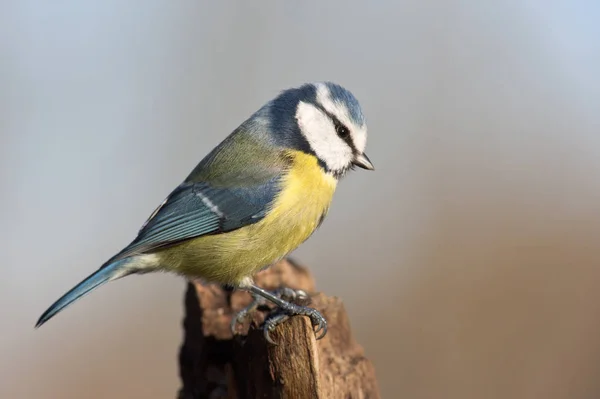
<point>217,197</point>
<point>197,209</point>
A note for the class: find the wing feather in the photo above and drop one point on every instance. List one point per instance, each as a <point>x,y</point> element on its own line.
<point>197,209</point>
<point>218,196</point>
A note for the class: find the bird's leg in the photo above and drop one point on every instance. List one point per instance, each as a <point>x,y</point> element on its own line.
<point>288,309</point>
<point>284,293</point>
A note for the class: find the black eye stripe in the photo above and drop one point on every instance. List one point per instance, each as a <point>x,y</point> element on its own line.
<point>341,130</point>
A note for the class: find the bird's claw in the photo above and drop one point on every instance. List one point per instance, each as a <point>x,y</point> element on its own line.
<point>243,314</point>
<point>318,321</point>
<point>284,293</point>
<point>270,325</point>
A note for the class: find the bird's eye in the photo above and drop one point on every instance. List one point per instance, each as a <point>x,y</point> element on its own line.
<point>342,130</point>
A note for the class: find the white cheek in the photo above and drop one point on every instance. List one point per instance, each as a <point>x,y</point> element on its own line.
<point>320,133</point>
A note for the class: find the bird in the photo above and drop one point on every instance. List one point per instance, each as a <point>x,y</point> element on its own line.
<point>257,196</point>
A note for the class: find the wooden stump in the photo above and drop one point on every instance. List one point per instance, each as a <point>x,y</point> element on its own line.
<point>215,364</point>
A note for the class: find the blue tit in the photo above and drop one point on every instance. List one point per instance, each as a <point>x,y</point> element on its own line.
<point>252,200</point>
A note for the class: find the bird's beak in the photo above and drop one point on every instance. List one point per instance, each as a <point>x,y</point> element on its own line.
<point>363,161</point>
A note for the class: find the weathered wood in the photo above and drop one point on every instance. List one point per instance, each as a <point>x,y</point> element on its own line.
<point>215,364</point>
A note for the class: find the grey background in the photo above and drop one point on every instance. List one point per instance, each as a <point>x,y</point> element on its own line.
<point>468,261</point>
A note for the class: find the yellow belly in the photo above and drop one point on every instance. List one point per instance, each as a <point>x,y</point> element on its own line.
<point>294,216</point>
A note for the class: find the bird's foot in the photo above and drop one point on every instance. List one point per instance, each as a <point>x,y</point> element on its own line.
<point>244,314</point>
<point>288,310</point>
<point>287,295</point>
<point>291,295</point>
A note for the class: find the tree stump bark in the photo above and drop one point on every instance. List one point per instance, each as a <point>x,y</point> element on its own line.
<point>216,364</point>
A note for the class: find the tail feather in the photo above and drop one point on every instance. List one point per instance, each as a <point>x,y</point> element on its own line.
<point>103,275</point>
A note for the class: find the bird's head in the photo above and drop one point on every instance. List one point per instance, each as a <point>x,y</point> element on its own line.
<point>324,120</point>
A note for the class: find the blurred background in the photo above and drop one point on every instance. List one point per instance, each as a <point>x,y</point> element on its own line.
<point>469,261</point>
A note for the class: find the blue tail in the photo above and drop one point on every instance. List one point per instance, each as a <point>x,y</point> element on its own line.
<point>104,274</point>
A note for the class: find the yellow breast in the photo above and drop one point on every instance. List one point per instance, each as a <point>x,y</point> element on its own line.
<point>294,216</point>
